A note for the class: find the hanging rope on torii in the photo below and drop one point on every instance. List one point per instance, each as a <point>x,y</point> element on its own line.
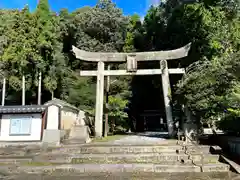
<point>131,60</point>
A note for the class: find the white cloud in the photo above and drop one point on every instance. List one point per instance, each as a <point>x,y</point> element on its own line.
<point>155,2</point>
<point>147,6</point>
<point>152,2</point>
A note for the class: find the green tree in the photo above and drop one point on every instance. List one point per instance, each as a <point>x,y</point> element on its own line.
<point>132,30</point>
<point>101,28</point>
<point>53,64</point>
<point>18,55</point>
<point>117,116</point>
<point>213,29</point>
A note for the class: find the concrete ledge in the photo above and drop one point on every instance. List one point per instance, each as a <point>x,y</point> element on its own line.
<point>234,166</point>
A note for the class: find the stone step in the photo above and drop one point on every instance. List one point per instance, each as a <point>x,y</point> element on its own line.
<point>207,158</point>
<point>171,158</point>
<point>6,152</point>
<point>16,157</point>
<point>219,167</point>
<point>118,149</point>
<point>198,146</point>
<point>14,151</point>
<point>195,150</point>
<point>111,168</point>
<point>74,141</point>
<point>123,168</point>
<point>124,176</point>
<point>197,153</point>
<point>15,161</point>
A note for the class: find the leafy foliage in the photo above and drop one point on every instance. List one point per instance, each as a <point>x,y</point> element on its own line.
<point>116,112</point>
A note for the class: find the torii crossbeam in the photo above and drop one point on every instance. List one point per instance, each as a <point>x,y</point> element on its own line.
<point>131,59</point>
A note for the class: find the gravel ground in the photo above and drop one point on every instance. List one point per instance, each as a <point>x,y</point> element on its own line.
<point>142,138</point>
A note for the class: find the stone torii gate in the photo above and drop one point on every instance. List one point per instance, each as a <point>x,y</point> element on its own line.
<point>131,69</point>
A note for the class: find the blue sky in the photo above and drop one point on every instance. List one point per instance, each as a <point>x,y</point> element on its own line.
<point>128,6</point>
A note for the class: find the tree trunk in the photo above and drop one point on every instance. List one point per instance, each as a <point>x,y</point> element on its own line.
<point>23,90</point>
<point>113,125</point>
<point>3,91</point>
<point>39,88</point>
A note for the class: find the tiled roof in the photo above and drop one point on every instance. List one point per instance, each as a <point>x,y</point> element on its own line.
<point>61,103</point>
<point>22,109</point>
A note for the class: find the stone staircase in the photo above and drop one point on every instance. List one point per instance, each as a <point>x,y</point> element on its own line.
<point>132,158</point>
<point>114,158</point>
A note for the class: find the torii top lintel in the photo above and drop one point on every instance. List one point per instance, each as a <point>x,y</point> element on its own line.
<point>139,56</point>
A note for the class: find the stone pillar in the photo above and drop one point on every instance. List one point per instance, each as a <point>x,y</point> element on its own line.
<point>166,96</point>
<point>190,127</point>
<point>52,133</point>
<point>80,118</point>
<point>106,128</point>
<point>99,101</point>
<point>80,132</point>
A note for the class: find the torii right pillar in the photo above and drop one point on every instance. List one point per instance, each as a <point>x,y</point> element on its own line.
<point>167,97</point>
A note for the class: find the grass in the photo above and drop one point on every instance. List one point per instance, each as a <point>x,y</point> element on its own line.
<point>108,138</point>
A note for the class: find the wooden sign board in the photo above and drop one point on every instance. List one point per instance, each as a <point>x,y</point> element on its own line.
<point>131,64</point>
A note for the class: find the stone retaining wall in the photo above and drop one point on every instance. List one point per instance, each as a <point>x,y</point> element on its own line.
<point>230,143</point>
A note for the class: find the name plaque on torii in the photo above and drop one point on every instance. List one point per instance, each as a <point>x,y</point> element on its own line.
<point>131,60</point>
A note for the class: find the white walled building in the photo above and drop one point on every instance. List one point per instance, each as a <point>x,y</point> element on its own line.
<point>22,123</point>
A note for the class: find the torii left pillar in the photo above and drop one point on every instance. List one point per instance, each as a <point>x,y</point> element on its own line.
<point>99,100</point>
<point>167,97</point>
